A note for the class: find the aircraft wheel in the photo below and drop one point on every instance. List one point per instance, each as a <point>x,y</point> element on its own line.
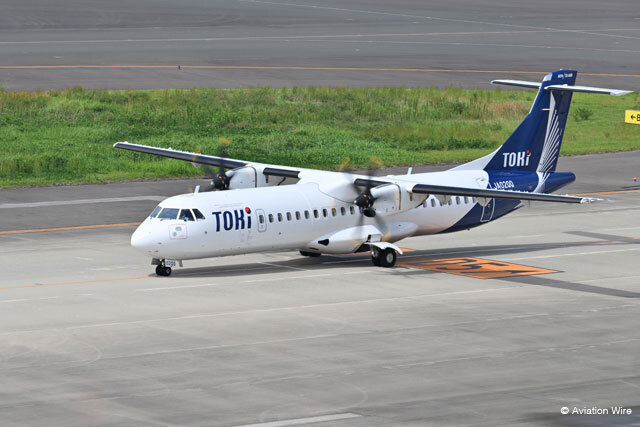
<point>375,257</point>
<point>163,271</point>
<point>310,254</point>
<point>387,258</point>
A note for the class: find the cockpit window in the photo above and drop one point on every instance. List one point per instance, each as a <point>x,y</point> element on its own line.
<point>186,215</point>
<point>198,214</point>
<point>155,212</point>
<point>168,213</point>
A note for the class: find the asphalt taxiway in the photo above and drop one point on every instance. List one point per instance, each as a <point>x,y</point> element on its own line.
<point>89,336</point>
<point>245,43</point>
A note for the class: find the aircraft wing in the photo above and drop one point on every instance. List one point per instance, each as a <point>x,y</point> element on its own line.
<point>203,159</point>
<point>480,193</point>
<point>359,180</point>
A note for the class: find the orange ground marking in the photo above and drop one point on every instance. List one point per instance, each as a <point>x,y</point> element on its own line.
<point>475,267</point>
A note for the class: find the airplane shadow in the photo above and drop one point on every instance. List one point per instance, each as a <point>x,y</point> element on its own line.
<point>326,262</point>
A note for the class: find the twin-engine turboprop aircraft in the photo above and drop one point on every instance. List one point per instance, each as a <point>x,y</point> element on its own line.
<point>340,213</point>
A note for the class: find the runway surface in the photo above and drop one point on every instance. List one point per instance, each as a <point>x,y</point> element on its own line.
<point>88,336</point>
<point>244,43</point>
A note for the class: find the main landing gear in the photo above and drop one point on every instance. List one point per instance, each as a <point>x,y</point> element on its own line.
<point>163,271</point>
<point>383,257</point>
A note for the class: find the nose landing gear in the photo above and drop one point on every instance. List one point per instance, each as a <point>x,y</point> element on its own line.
<point>163,271</point>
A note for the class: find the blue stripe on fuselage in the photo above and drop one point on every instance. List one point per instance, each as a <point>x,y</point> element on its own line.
<point>514,181</point>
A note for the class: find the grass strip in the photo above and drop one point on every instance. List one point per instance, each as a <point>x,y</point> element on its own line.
<point>66,136</point>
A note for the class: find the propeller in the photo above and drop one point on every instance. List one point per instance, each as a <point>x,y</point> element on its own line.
<point>365,199</point>
<point>220,179</point>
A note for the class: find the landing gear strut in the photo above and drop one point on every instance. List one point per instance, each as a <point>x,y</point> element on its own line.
<point>383,257</point>
<point>161,270</point>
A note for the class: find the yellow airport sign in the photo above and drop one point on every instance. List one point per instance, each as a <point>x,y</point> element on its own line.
<point>632,116</point>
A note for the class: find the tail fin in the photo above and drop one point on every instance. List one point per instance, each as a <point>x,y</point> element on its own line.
<point>535,145</point>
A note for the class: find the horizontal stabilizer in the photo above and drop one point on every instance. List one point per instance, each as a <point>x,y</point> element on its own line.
<point>519,83</point>
<point>588,89</point>
<point>563,88</point>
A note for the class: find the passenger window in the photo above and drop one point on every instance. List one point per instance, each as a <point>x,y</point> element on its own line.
<point>343,211</point>
<point>288,216</point>
<point>433,203</point>
<point>279,217</point>
<point>155,212</point>
<point>324,213</point>
<point>352,210</point>
<point>298,215</point>
<point>261,219</point>
<point>457,200</point>
<point>315,213</point>
<point>186,215</point>
<point>198,214</point>
<point>270,218</point>
<point>306,214</point>
<point>333,211</point>
<point>168,213</point>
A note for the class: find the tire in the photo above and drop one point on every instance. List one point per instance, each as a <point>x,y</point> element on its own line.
<point>375,261</point>
<point>387,258</point>
<point>375,256</point>
<point>310,254</point>
<point>163,271</point>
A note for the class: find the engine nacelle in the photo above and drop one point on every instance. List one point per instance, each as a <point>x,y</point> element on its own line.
<point>345,241</point>
<point>244,177</point>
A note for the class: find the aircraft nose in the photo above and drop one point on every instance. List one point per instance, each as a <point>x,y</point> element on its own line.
<point>143,239</point>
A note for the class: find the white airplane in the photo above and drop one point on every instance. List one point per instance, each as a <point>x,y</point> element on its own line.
<point>340,213</point>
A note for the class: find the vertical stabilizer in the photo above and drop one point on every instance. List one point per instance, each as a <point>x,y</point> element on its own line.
<point>535,145</point>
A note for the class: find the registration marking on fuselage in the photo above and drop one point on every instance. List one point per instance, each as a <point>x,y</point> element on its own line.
<point>476,267</point>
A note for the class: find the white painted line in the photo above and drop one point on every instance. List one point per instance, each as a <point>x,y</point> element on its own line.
<point>272,279</point>
<point>176,287</point>
<point>402,15</point>
<point>573,254</point>
<point>282,266</point>
<point>307,420</point>
<point>602,279</point>
<point>287,278</point>
<point>288,308</point>
<point>13,300</point>
<point>615,229</point>
<point>470,44</point>
<point>80,202</point>
<point>320,36</point>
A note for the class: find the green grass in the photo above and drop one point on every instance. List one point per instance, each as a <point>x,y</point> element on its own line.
<point>66,136</point>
